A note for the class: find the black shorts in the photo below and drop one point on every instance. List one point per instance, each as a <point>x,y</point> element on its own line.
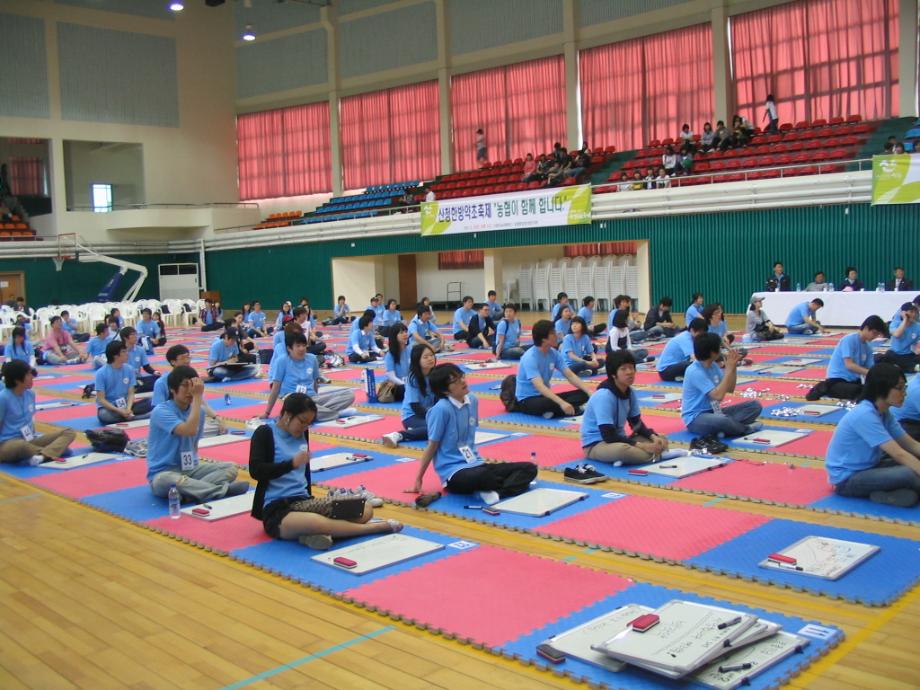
<point>276,511</point>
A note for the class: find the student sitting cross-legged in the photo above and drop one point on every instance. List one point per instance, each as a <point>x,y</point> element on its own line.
<point>417,400</point>
<point>532,389</point>
<point>705,386</point>
<point>851,360</point>
<point>424,331</point>
<point>95,347</point>
<point>908,414</point>
<point>603,428</point>
<point>578,349</point>
<point>279,460</point>
<point>678,353</point>
<point>115,388</point>
<point>226,363</point>
<point>137,358</point>
<point>179,356</point>
<point>176,426</point>
<point>19,348</point>
<point>480,331</point>
<point>297,371</point>
<point>452,426</point>
<point>905,340</point>
<point>18,440</point>
<point>870,454</point>
<point>396,360</point>
<point>508,335</point>
<point>361,345</point>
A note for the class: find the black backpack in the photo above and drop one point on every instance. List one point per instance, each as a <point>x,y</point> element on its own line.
<point>107,440</point>
<point>506,395</point>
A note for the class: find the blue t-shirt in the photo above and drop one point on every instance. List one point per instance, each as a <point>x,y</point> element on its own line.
<point>904,345</point>
<point>400,369</point>
<point>698,382</point>
<point>151,328</point>
<point>340,310</point>
<point>257,319</point>
<point>378,314</point>
<point>496,311</point>
<point>720,329</point>
<point>693,312</point>
<point>563,327</point>
<point>296,376</point>
<point>798,313</point>
<point>137,357</point>
<point>581,347</point>
<point>587,314</point>
<point>604,407</point>
<point>167,450</point>
<point>294,483</point>
<point>115,384</point>
<point>853,347</point>
<point>160,391</point>
<point>557,310</point>
<point>895,320</point>
<point>678,350</point>
<point>221,352</point>
<point>462,316</point>
<point>96,346</point>
<point>911,407</point>
<point>362,340</point>
<point>16,412</point>
<point>414,395</point>
<point>423,328</point>
<point>512,332</point>
<point>69,325</point>
<point>453,426</point>
<point>535,363</point>
<point>23,353</point>
<point>391,317</point>
<point>856,443</point>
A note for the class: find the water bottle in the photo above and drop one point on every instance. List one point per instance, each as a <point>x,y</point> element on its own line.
<point>880,287</point>
<point>798,287</point>
<point>227,399</point>
<point>173,497</point>
<point>831,288</point>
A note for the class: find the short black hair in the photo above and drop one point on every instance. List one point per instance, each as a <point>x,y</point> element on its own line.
<point>617,359</point>
<point>441,377</point>
<point>819,273</point>
<point>467,298</point>
<point>298,311</point>
<point>364,321</point>
<point>175,352</point>
<point>101,328</point>
<point>699,325</point>
<point>541,331</point>
<point>421,309</point>
<point>777,263</point>
<point>587,300</point>
<point>561,295</point>
<point>880,379</point>
<point>849,268</point>
<point>297,403</point>
<point>113,349</point>
<point>14,371</point>
<point>509,305</point>
<point>127,332</point>
<point>818,301</point>
<point>293,338</point>
<point>178,375</point>
<point>666,301</point>
<point>696,296</point>
<point>492,293</point>
<point>231,333</point>
<point>146,310</point>
<point>54,319</point>
<point>875,323</point>
<point>705,345</point>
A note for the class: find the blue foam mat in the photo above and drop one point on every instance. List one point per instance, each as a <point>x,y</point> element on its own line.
<point>863,506</point>
<point>294,560</point>
<point>688,436</point>
<point>506,435</point>
<point>877,581</point>
<point>135,503</point>
<point>527,420</point>
<point>377,461</point>
<point>634,678</point>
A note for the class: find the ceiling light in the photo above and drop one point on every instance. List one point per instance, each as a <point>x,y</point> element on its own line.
<point>176,6</point>
<point>249,34</point>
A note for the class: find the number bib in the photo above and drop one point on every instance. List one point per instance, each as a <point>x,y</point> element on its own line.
<point>27,432</point>
<point>301,389</point>
<point>189,461</point>
<point>468,454</point>
<point>121,403</point>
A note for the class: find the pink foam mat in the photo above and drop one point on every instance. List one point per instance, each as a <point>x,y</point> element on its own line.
<point>675,404</point>
<point>74,378</point>
<point>765,481</point>
<point>811,373</point>
<point>388,482</point>
<point>236,532</point>
<point>95,479</point>
<point>347,375</point>
<point>550,450</point>
<point>662,424</point>
<point>666,529</point>
<point>775,387</point>
<point>787,349</point>
<point>372,431</point>
<point>650,378</point>
<point>59,414</point>
<point>238,452</point>
<point>244,413</point>
<point>815,444</point>
<point>490,407</point>
<point>490,600</point>
<point>258,386</point>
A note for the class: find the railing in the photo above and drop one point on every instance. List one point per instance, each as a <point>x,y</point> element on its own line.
<point>136,207</point>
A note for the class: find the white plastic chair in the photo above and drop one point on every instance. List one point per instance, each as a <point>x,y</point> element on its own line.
<point>556,278</point>
<point>571,282</point>
<point>525,285</point>
<point>541,292</point>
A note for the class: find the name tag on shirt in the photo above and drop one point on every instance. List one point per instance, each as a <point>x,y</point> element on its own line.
<point>188,460</point>
<point>468,454</point>
<point>121,403</point>
<point>301,389</point>
<point>27,433</point>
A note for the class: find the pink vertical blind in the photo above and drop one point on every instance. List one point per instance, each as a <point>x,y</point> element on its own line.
<point>646,88</point>
<point>27,176</point>
<point>391,136</point>
<point>819,58</point>
<point>520,108</point>
<point>284,152</point>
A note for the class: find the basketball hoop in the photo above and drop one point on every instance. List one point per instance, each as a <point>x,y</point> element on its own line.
<point>59,262</point>
<point>67,248</point>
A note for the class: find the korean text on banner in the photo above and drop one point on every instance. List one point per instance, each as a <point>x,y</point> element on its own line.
<point>896,179</point>
<point>531,209</point>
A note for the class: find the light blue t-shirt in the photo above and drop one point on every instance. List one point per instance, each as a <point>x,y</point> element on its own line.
<point>512,332</point>
<point>114,383</point>
<point>557,310</point>
<point>294,483</point>
<point>378,314</point>
<point>423,328</point>
<point>414,395</point>
<point>340,310</point>
<point>698,382</point>
<point>536,363</point>
<point>221,352</point>
<point>720,329</point>
<point>604,407</point>
<point>137,357</point>
<point>850,346</point>
<point>895,320</point>
<point>167,450</point>
<point>911,407</point>
<point>693,312</point>
<point>160,390</point>
<point>296,376</point>
<point>95,346</point>
<point>496,311</point>
<point>856,443</point>
<point>150,329</point>
<point>462,316</point>
<point>257,319</point>
<point>581,347</point>
<point>798,313</point>
<point>904,345</point>
<point>453,426</point>
<point>678,350</point>
<point>400,369</point>
<point>362,340</point>
<point>587,314</point>
<point>391,317</point>
<point>23,353</point>
<point>563,327</point>
<point>16,412</point>
<point>69,325</point>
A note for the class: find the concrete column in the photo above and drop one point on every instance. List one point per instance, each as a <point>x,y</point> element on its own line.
<point>907,57</point>
<point>447,149</point>
<point>723,95</point>
<point>570,54</point>
<point>327,17</point>
<point>492,275</point>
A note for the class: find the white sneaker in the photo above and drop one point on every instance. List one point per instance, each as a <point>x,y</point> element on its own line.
<point>348,412</point>
<point>489,497</point>
<point>36,460</point>
<point>392,439</point>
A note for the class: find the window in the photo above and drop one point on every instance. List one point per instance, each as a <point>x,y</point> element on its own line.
<point>101,195</point>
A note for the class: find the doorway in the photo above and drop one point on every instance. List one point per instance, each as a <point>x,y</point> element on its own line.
<point>408,284</point>
<point>12,285</point>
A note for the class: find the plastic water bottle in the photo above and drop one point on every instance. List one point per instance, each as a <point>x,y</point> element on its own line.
<point>798,287</point>
<point>173,497</point>
<point>880,287</point>
<point>830,288</point>
<point>227,399</point>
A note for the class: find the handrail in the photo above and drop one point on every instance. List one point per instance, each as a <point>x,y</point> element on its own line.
<point>135,207</point>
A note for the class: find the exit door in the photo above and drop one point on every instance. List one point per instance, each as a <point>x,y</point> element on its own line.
<point>408,285</point>
<point>12,285</point>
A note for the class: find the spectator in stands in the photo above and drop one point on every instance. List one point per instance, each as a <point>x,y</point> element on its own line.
<point>496,311</point>
<point>115,388</point>
<point>8,199</point>
<point>462,317</point>
<point>508,335</point>
<point>578,166</point>
<point>723,139</point>
<point>686,159</point>
<point>905,339</point>
<point>707,137</point>
<point>558,171</point>
<point>769,113</point>
<point>695,310</point>
<point>678,353</point>
<point>562,301</point>
<point>417,399</point>
<point>19,348</point>
<point>391,317</point>
<point>890,144</point>
<point>563,324</point>
<point>423,331</point>
<point>658,321</point>
<point>651,179</point>
<point>803,318</point>
<point>430,195</point>
<point>851,283</point>
<point>532,393</point>
<point>481,329</point>
<point>741,131</point>
<point>530,169</point>
<point>779,281</point>
<point>663,180</point>
<point>587,313</point>
<point>624,184</point>
<point>669,160</point>
<point>481,154</point>
<point>899,148</point>
<point>851,360</point>
<point>899,283</point>
<point>758,325</point>
<point>361,346</point>
<point>819,284</point>
<point>578,350</point>
<point>58,347</point>
<point>613,404</point>
<point>705,386</point>
<point>638,183</point>
<point>212,317</point>
<point>870,454</point>
<point>686,136</point>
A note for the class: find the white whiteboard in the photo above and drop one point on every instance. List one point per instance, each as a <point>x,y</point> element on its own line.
<point>814,410</point>
<point>349,422</point>
<point>328,462</point>
<point>78,461</point>
<point>486,436</point>
<point>54,405</point>
<point>539,502</point>
<point>802,361</point>
<point>822,557</point>
<point>685,466</point>
<point>220,440</point>
<point>576,642</point>
<point>379,552</point>
<point>484,366</point>
<point>223,507</point>
<point>661,398</point>
<point>133,424</point>
<point>760,655</point>
<point>772,438</point>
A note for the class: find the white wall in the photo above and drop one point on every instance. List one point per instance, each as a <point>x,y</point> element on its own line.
<point>118,164</point>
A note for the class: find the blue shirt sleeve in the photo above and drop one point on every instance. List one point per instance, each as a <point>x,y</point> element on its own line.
<point>437,423</point>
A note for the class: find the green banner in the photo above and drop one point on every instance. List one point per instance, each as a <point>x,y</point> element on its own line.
<point>896,179</point>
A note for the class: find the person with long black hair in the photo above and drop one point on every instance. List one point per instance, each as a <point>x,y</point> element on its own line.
<point>396,361</point>
<point>417,400</point>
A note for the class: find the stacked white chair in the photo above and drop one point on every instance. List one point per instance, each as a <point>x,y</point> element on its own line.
<point>541,292</point>
<point>600,288</point>
<point>525,285</point>
<point>556,278</point>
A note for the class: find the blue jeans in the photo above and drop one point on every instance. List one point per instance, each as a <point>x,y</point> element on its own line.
<point>888,475</point>
<point>734,420</point>
<point>515,352</point>
<point>802,328</point>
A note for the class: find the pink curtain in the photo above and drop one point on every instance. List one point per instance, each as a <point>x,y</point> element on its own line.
<point>284,152</point>
<point>819,58</point>
<point>27,176</point>
<point>520,108</point>
<point>391,136</point>
<point>646,88</point>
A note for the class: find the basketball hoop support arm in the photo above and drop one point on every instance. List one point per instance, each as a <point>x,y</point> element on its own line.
<point>87,255</point>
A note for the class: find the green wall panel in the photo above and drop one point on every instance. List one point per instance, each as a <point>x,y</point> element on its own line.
<point>724,255</point>
<point>79,282</point>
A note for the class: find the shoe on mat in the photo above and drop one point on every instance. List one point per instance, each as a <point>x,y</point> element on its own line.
<point>395,526</point>
<point>699,443</point>
<point>425,500</point>
<point>392,439</point>
<point>369,496</point>
<point>348,412</point>
<point>237,488</point>
<point>755,427</point>
<point>583,474</point>
<point>489,497</point>
<point>317,542</point>
<point>902,498</point>
<point>36,460</point>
